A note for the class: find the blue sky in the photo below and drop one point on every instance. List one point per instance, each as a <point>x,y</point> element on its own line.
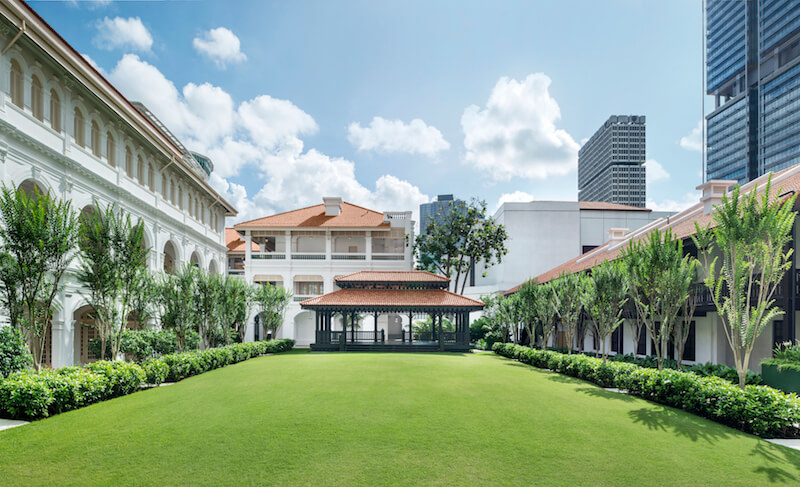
<point>480,99</point>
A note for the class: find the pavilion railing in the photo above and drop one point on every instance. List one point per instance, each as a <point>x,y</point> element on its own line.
<point>351,336</point>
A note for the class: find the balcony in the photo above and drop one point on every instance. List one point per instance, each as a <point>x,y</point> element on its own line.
<point>348,256</point>
<point>267,256</point>
<point>309,256</point>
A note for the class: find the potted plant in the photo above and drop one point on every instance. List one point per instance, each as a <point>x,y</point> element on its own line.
<point>782,371</point>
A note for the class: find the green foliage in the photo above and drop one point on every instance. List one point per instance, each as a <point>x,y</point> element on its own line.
<point>271,302</point>
<point>37,238</point>
<point>568,291</point>
<point>478,329</point>
<point>142,344</point>
<point>660,280</point>
<point>14,354</point>
<point>113,270</point>
<point>460,238</point>
<point>785,356</point>
<point>176,297</point>
<point>745,256</point>
<point>605,293</point>
<point>207,289</point>
<point>233,309</point>
<point>759,410</point>
<point>34,395</point>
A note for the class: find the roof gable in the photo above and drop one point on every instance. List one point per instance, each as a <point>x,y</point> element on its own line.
<point>314,216</point>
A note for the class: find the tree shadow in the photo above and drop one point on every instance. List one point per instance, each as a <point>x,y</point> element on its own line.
<point>773,454</point>
<point>683,424</point>
<point>604,394</point>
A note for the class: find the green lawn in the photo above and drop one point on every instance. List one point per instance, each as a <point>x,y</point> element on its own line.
<point>385,419</point>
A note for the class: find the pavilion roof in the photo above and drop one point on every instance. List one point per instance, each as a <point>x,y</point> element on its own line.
<point>393,277</point>
<point>235,243</point>
<point>421,299</point>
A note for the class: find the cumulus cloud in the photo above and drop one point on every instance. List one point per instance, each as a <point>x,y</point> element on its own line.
<point>94,64</point>
<point>119,33</point>
<point>654,172</point>
<point>387,136</point>
<point>693,141</point>
<point>221,46</point>
<point>688,200</point>
<point>262,134</point>
<point>515,134</point>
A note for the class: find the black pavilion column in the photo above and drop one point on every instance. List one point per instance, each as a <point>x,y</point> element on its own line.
<point>376,327</point>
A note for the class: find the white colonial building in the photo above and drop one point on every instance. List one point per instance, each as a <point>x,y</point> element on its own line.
<point>305,250</point>
<point>65,129</point>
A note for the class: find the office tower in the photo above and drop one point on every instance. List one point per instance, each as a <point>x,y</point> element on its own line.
<point>611,163</point>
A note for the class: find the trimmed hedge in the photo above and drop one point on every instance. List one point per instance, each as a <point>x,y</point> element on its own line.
<point>759,410</point>
<point>32,395</point>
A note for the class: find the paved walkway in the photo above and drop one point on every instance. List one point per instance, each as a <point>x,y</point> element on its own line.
<point>786,442</point>
<point>10,423</point>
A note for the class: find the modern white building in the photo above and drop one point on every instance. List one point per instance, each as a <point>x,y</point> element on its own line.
<point>542,234</point>
<point>65,129</point>
<point>304,251</point>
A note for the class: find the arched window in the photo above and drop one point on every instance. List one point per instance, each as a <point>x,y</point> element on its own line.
<point>180,197</point>
<point>96,139</point>
<point>78,128</point>
<point>140,170</point>
<point>17,96</point>
<point>55,111</point>
<point>37,103</point>
<point>164,186</point>
<point>111,150</point>
<point>172,195</point>
<point>129,162</point>
<point>197,208</point>
<point>151,178</point>
<point>203,213</point>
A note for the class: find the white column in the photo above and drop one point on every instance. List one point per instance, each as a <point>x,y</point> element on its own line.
<point>248,261</point>
<point>63,336</point>
<point>369,245</point>
<point>328,245</point>
<point>288,245</point>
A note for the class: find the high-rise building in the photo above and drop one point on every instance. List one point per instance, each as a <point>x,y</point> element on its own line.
<point>611,163</point>
<point>434,210</point>
<point>753,72</point>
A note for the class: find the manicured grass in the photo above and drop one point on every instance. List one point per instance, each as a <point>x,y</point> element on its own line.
<point>385,419</point>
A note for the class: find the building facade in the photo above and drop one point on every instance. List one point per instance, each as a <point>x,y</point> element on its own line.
<point>707,341</point>
<point>611,163</point>
<point>64,129</point>
<point>433,211</point>
<point>753,72</point>
<point>305,250</point>
<point>542,233</point>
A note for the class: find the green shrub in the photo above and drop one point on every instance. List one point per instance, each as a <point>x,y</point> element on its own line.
<point>14,355</point>
<point>24,396</point>
<point>73,388</point>
<point>139,345</point>
<point>786,357</point>
<point>759,410</point>
<point>155,371</point>
<point>122,377</point>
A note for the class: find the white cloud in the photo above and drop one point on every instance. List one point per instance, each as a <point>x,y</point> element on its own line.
<point>515,134</point>
<point>221,46</point>
<point>515,197</point>
<point>688,200</point>
<point>94,64</point>
<point>382,135</point>
<point>693,141</point>
<point>654,172</point>
<point>122,33</point>
<point>262,134</point>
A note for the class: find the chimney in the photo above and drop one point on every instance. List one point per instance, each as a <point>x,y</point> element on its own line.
<point>333,205</point>
<point>712,193</point>
<point>616,235</point>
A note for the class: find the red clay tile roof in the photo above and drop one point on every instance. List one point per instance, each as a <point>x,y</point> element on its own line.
<point>430,298</point>
<point>602,205</point>
<point>392,276</point>
<point>314,216</point>
<point>682,225</point>
<point>235,243</point>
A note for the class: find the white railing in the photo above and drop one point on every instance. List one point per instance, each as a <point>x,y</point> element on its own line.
<point>388,256</point>
<point>268,256</point>
<point>348,256</point>
<point>309,256</point>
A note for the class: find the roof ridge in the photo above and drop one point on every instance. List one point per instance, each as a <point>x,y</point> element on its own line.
<point>278,214</point>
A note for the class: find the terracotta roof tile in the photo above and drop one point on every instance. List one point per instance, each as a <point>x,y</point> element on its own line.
<point>314,216</point>
<point>392,276</point>
<point>393,298</point>
<point>682,225</point>
<point>235,243</point>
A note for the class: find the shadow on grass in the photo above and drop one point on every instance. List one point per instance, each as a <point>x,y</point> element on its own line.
<point>772,454</point>
<point>604,394</point>
<point>683,424</point>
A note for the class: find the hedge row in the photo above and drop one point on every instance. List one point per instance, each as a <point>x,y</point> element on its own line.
<point>759,410</point>
<point>32,395</point>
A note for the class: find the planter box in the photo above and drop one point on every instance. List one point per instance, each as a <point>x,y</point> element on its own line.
<point>785,380</point>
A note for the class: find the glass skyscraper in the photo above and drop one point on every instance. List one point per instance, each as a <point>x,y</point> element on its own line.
<point>435,210</point>
<point>753,72</point>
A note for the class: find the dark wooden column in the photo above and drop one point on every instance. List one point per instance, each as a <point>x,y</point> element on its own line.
<point>441,341</point>
<point>376,327</point>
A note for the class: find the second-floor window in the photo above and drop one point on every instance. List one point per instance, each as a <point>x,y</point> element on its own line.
<point>111,150</point>
<point>95,139</point>
<point>17,93</point>
<point>55,111</point>
<point>129,162</point>
<point>78,128</point>
<point>37,100</point>
<point>307,288</point>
